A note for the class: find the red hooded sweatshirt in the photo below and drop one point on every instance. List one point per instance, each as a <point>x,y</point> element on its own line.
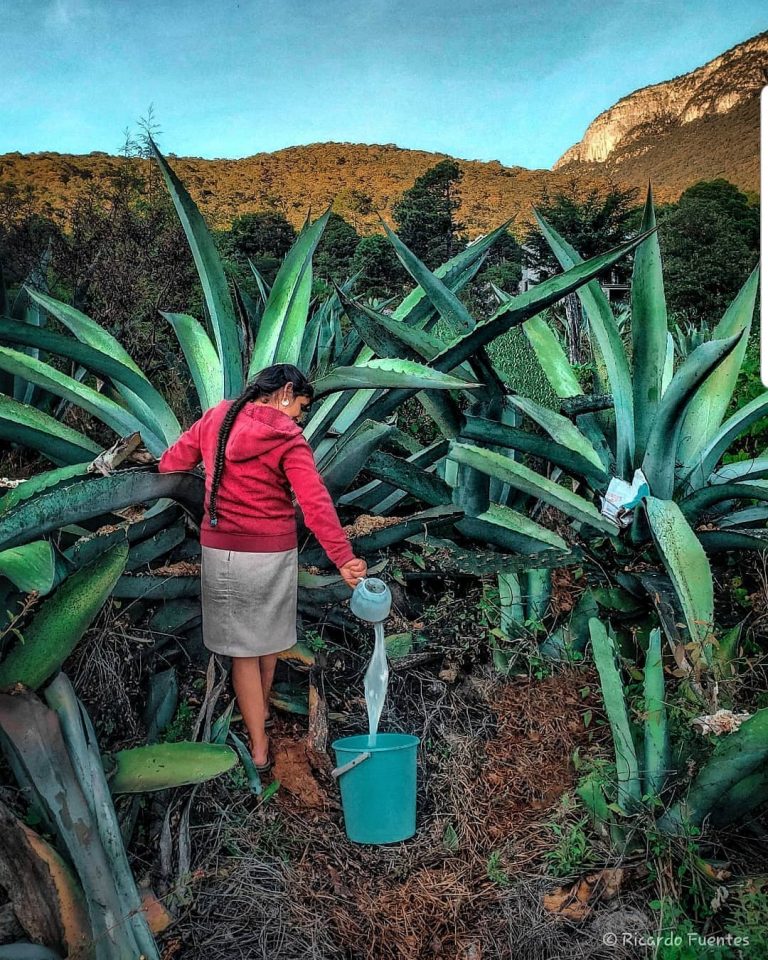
<point>266,456</point>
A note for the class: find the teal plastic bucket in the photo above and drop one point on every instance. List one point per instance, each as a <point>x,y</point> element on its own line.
<point>378,794</point>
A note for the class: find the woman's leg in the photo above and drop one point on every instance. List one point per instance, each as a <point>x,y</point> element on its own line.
<point>267,666</point>
<point>246,679</point>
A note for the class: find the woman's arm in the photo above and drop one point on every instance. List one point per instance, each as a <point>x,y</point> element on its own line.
<point>316,504</point>
<point>184,454</point>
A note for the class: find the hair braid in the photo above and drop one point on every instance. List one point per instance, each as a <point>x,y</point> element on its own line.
<point>264,384</point>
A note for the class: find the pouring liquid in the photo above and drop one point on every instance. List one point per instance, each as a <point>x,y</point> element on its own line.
<point>376,682</point>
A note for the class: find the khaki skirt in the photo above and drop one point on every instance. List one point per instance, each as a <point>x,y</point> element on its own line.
<point>249,601</point>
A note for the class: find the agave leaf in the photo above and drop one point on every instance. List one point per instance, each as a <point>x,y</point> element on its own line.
<point>40,481</point>
<point>220,726</point>
<point>261,283</point>
<point>511,609</point>
<point>502,434</point>
<point>560,428</point>
<point>669,365</point>
<point>26,311</point>
<point>310,337</point>
<point>292,332</point>
<point>95,403</point>
<point>717,541</point>
<point>92,496</point>
<point>85,329</point>
<point>285,313</point>
<point>416,308</point>
<point>29,567</point>
<point>156,587</point>
<point>86,551</point>
<point>406,476</point>
<point>649,329</point>
<point>709,457</point>
<point>59,624</point>
<point>742,798</point>
<point>156,546</point>
<point>747,517</point>
<point>141,398</point>
<point>736,756</point>
<point>590,792</point>
<point>98,350</point>
<point>552,358</point>
<point>687,566</point>
<point>510,530</point>
<point>606,332</point>
<point>212,277</point>
<point>202,359</point>
<point>527,481</point>
<point>700,501</point>
<point>44,892</point>
<point>162,700</point>
<point>444,300</point>
<point>162,766</point>
<point>290,701</point>
<point>27,951</point>
<point>379,497</point>
<point>741,470</point>
<point>349,454</point>
<point>707,408</point>
<point>176,616</point>
<point>393,338</point>
<point>89,547</point>
<point>574,635</point>
<point>254,780</point>
<point>388,337</point>
<point>538,590</point>
<point>389,373</point>
<point>33,735</point>
<point>658,464</point>
<point>655,728</point>
<point>39,431</point>
<point>627,772</point>
<point>83,748</point>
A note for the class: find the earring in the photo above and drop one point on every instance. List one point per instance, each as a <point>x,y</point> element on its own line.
<point>285,403</point>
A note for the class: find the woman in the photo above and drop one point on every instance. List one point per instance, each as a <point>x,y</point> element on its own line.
<point>254,452</point>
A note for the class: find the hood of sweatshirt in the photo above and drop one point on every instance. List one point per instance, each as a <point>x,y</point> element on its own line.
<point>259,429</point>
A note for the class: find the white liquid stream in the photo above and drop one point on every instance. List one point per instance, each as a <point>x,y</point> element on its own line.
<point>376,682</point>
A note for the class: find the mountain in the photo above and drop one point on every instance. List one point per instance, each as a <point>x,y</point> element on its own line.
<point>360,180</point>
<point>700,125</point>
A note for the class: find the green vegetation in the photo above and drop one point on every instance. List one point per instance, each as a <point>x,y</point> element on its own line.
<point>431,422</point>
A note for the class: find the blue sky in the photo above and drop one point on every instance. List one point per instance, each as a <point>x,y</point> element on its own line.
<point>485,80</point>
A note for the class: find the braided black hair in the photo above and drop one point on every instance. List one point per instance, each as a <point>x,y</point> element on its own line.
<point>264,384</point>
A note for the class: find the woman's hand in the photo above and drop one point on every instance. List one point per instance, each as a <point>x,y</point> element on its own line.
<point>353,571</point>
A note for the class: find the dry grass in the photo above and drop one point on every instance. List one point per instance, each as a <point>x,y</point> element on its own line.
<point>368,523</point>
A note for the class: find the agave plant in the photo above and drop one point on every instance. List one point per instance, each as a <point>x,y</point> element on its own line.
<point>733,782</point>
<point>54,755</point>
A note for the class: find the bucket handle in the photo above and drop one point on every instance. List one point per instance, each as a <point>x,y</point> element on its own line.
<point>338,771</point>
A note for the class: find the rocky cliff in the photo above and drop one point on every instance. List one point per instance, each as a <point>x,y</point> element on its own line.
<point>626,129</point>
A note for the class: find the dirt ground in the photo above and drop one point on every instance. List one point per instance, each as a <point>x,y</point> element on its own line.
<point>280,879</point>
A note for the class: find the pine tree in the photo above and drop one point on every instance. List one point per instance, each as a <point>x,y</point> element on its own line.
<point>425,215</point>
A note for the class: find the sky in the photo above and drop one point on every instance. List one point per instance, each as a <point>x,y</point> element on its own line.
<point>480,80</point>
